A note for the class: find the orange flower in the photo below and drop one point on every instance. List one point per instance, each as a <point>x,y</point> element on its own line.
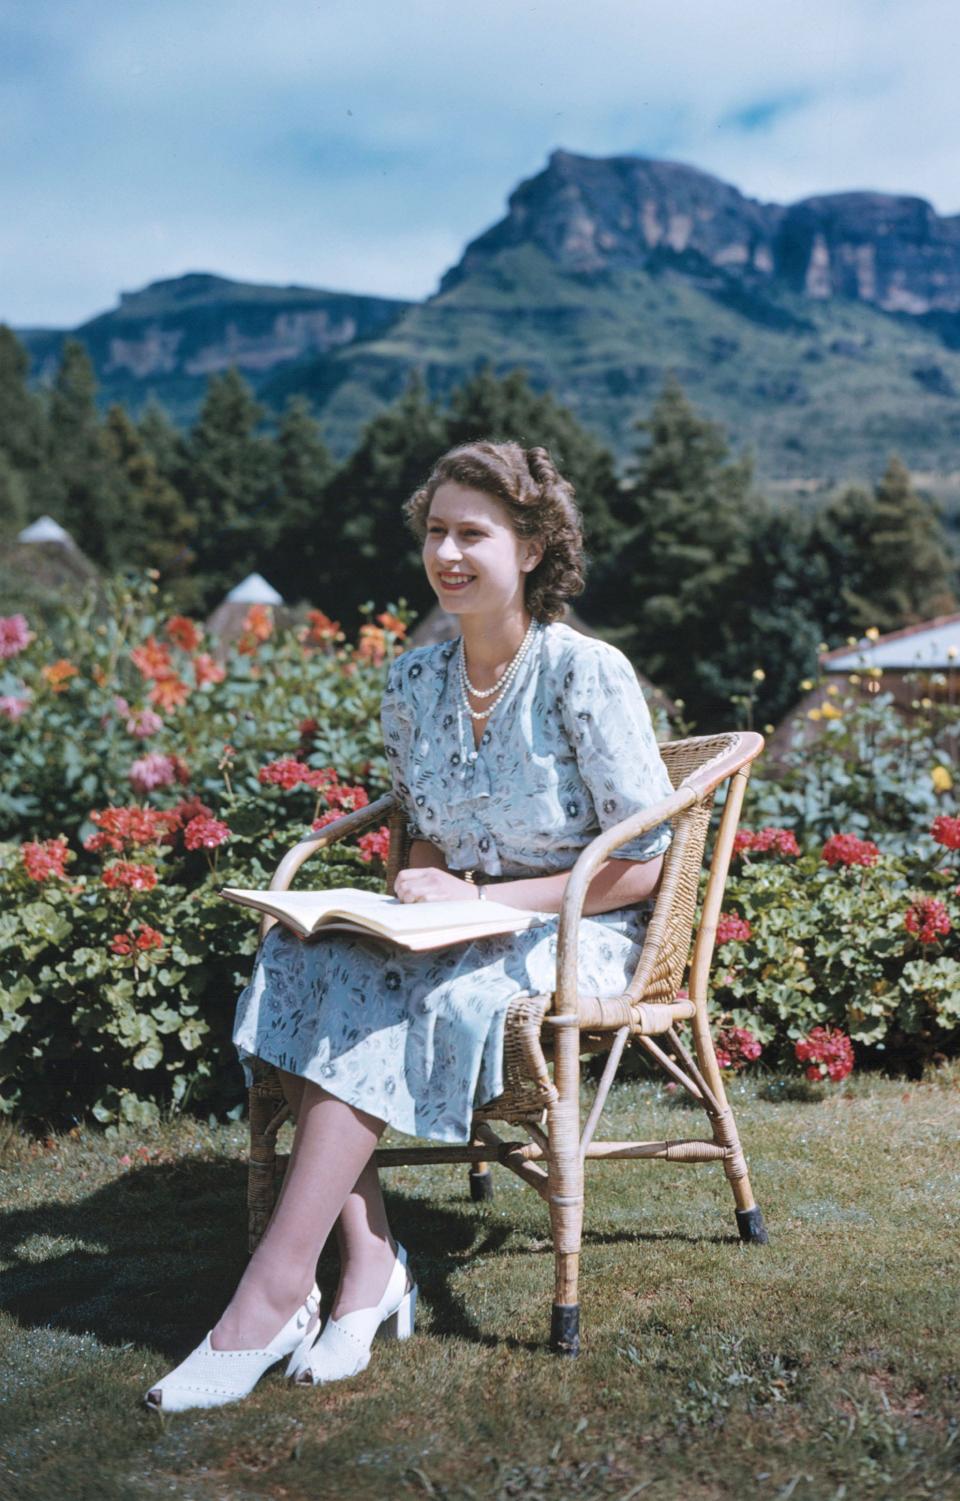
<point>258,622</point>
<point>169,692</point>
<point>152,658</point>
<point>206,670</point>
<point>58,674</point>
<point>184,632</point>
<point>98,675</point>
<point>373,644</point>
<point>392,624</point>
<point>321,629</point>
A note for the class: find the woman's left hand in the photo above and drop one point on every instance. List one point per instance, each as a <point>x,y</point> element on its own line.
<point>429,884</point>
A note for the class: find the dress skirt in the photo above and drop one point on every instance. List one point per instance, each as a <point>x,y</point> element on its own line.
<point>415,1040</point>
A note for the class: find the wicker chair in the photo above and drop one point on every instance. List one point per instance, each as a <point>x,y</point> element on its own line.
<point>558,1028</point>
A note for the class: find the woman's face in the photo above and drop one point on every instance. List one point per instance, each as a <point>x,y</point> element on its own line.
<point>475,562</point>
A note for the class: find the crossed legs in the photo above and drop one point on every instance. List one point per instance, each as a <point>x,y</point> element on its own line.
<point>330,1180</point>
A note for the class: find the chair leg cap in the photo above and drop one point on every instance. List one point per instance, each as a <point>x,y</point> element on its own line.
<point>753,1232</point>
<point>565,1329</point>
<point>481,1186</point>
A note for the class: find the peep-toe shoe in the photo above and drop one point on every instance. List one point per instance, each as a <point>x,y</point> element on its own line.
<point>211,1378</point>
<point>343,1348</point>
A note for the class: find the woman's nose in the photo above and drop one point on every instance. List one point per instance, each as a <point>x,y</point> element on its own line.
<point>448,548</point>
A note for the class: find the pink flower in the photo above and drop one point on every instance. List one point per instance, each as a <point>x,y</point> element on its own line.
<point>285,773</point>
<point>781,841</point>
<point>848,849</point>
<point>207,670</point>
<point>736,1047</point>
<point>927,918</point>
<point>946,831</point>
<point>124,875</point>
<point>152,770</point>
<point>827,1052</point>
<point>45,858</point>
<point>205,833</point>
<point>376,845</point>
<point>12,707</point>
<point>143,723</point>
<point>733,929</point>
<point>15,635</point>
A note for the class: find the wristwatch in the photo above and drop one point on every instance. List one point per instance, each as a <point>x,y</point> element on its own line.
<point>475,878</point>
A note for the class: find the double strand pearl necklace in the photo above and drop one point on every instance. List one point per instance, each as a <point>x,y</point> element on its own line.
<point>498,690</point>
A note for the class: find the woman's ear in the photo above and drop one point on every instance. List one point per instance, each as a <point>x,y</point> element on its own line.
<point>532,554</point>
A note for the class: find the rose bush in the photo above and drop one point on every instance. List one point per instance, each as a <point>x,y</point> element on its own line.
<point>119,962</point>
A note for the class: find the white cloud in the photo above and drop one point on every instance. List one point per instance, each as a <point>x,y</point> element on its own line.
<point>360,145</point>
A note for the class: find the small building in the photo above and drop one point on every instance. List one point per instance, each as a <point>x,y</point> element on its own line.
<point>226,624</point>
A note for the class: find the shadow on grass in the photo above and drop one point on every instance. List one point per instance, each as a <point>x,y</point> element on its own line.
<point>152,1257</point>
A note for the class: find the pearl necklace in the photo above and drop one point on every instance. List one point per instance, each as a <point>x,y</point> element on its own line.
<point>500,688</point>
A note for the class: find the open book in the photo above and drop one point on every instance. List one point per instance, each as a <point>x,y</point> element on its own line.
<point>413,925</point>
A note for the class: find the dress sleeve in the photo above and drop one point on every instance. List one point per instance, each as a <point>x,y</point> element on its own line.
<point>397,725</point>
<point>607,720</point>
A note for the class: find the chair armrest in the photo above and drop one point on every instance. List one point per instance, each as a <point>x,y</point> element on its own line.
<point>700,784</point>
<point>340,828</point>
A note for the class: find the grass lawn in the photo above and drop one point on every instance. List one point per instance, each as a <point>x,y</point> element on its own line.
<point>826,1365</point>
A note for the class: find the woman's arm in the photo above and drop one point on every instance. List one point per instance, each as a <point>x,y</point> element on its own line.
<point>618,883</point>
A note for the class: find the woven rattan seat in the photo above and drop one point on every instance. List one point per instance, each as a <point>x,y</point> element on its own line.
<point>546,1035</point>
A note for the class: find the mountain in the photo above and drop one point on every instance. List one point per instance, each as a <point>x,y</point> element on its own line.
<point>169,338</point>
<point>822,334</point>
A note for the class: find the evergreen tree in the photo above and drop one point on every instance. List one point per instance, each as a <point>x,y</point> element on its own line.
<point>157,524</point>
<point>229,486</point>
<point>509,409</point>
<point>881,558</point>
<point>13,499</point>
<point>689,516</point>
<point>369,551</point>
<point>303,467</point>
<point>84,488</point>
<point>22,436</point>
<point>166,443</point>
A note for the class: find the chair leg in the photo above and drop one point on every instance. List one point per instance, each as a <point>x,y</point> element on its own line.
<point>267,1110</point>
<point>750,1225</point>
<point>481,1179</point>
<point>565,1192</point>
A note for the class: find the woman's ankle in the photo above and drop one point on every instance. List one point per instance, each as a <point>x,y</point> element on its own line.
<point>364,1276</point>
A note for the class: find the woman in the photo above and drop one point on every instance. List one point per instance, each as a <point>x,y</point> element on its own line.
<point>510,749</point>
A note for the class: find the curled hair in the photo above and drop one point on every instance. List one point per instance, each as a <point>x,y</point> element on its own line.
<point>539,503</point>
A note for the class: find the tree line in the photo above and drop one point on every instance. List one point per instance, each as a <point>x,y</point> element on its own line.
<point>696,574</point>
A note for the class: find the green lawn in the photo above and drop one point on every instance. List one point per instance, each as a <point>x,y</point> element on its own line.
<point>826,1365</point>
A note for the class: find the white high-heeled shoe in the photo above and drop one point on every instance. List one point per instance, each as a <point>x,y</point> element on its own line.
<point>343,1348</point>
<point>211,1378</point>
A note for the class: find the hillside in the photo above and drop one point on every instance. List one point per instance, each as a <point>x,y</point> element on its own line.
<point>822,334</point>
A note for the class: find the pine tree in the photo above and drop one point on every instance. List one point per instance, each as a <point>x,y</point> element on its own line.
<point>158,526</point>
<point>882,558</point>
<point>229,486</point>
<point>22,436</point>
<point>13,499</point>
<point>689,516</point>
<point>303,468</point>
<point>84,488</point>
<point>371,554</point>
<point>508,409</point>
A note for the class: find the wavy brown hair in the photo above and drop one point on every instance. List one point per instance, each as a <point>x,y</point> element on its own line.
<point>539,502</point>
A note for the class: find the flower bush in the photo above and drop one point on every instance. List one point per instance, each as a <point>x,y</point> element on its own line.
<point>119,962</point>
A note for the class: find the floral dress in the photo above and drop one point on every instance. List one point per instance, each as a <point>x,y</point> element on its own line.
<point>417,1039</point>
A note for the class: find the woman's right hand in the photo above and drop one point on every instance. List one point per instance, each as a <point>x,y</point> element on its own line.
<point>430,884</point>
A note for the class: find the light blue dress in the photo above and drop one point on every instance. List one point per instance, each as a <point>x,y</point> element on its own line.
<point>417,1039</point>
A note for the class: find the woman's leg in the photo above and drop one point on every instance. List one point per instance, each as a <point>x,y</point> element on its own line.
<point>367,1248</point>
<point>332,1147</point>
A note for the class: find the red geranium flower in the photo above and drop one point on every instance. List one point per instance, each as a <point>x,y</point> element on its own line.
<point>848,849</point>
<point>927,918</point>
<point>733,929</point>
<point>375,845</point>
<point>946,831</point>
<point>45,858</point>
<point>142,941</point>
<point>827,1052</point>
<point>347,799</point>
<point>736,1047</point>
<point>122,828</point>
<point>286,773</point>
<point>124,875</point>
<point>203,833</point>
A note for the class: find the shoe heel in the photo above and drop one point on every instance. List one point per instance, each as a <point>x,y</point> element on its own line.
<point>400,1324</point>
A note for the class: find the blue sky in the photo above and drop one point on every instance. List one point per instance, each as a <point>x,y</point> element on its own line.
<point>360,145</point>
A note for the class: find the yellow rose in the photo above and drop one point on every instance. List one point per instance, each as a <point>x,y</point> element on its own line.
<point>830,711</point>
<point>806,685</point>
<point>872,634</point>
<point>832,689</point>
<point>941,779</point>
<point>814,714</point>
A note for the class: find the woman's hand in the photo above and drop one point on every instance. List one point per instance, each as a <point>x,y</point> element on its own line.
<point>429,884</point>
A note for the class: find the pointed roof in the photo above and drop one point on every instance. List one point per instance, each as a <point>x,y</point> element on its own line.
<point>932,646</point>
<point>45,529</point>
<point>254,590</point>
